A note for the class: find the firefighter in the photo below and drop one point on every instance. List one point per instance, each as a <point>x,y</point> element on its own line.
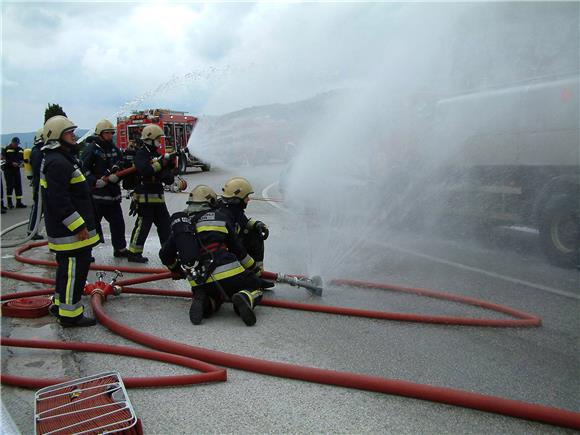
<point>68,218</point>
<point>13,155</point>
<point>252,233</point>
<point>36,156</point>
<point>148,200</point>
<point>100,159</point>
<point>204,248</point>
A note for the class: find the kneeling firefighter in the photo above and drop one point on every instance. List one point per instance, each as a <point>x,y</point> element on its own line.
<point>204,248</point>
<point>252,233</point>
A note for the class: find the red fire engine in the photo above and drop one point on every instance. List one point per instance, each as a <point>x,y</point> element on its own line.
<point>177,127</point>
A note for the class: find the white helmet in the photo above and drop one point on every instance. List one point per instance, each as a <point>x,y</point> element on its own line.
<point>53,130</point>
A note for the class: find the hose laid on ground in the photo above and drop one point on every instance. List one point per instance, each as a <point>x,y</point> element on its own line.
<point>498,405</point>
<point>210,373</point>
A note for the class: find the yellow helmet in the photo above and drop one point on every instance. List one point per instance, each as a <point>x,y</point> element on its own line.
<point>55,127</point>
<point>152,132</point>
<point>237,187</point>
<point>202,193</point>
<point>104,125</point>
<point>38,136</point>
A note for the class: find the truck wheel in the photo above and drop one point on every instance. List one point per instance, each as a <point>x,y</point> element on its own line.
<point>182,164</point>
<point>206,167</point>
<point>560,231</point>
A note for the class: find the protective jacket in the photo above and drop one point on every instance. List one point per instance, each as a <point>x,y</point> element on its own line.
<point>99,159</point>
<point>12,155</point>
<point>67,202</point>
<point>207,237</point>
<point>36,157</point>
<point>151,174</point>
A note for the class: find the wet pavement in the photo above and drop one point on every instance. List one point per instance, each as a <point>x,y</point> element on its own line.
<point>537,365</point>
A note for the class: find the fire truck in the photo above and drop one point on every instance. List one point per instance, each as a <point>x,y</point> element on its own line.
<point>177,127</point>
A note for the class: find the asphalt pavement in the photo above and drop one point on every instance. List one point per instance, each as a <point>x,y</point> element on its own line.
<point>537,365</point>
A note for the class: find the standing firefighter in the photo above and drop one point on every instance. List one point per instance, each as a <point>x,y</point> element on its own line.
<point>148,200</point>
<point>36,156</point>
<point>204,248</point>
<point>101,160</point>
<point>69,219</point>
<point>252,233</point>
<point>13,155</point>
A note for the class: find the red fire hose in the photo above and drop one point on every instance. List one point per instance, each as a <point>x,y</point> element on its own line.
<point>545,414</point>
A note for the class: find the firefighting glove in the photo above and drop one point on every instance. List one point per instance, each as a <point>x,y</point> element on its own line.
<point>113,178</point>
<point>177,272</point>
<point>262,229</point>
<point>133,208</point>
<point>100,183</point>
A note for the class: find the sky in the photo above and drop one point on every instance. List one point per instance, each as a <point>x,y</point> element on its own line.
<point>100,59</point>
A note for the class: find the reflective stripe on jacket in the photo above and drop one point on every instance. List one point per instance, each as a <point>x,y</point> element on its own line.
<point>67,202</point>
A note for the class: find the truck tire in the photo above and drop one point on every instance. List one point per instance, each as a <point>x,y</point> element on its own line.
<point>182,169</point>
<point>560,231</point>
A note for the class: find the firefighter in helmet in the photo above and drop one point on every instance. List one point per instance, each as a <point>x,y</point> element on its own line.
<point>13,155</point>
<point>101,160</point>
<point>204,248</point>
<point>69,219</point>
<point>252,233</point>
<point>148,200</point>
<point>36,156</point>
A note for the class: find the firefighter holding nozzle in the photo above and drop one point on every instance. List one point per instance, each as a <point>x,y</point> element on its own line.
<point>148,199</point>
<point>203,247</point>
<point>251,232</point>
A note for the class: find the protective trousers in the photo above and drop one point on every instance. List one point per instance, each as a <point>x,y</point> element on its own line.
<point>13,183</point>
<point>113,214</point>
<point>71,276</point>
<point>33,210</point>
<point>224,289</point>
<point>148,214</point>
<point>254,245</point>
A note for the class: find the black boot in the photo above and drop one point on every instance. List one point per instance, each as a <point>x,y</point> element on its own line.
<point>53,310</point>
<point>136,258</point>
<point>10,205</point>
<point>121,253</point>
<point>4,209</point>
<point>199,304</point>
<point>76,322</point>
<point>244,307</point>
<point>20,205</point>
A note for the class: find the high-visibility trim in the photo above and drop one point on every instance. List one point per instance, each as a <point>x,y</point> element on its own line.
<point>70,310</point>
<point>107,198</point>
<point>251,223</point>
<point>74,245</point>
<point>72,220</point>
<point>77,177</point>
<point>70,282</point>
<point>211,223</point>
<point>202,228</point>
<point>133,246</point>
<point>43,183</point>
<point>145,198</point>
<point>18,197</point>
<point>247,261</point>
<point>156,166</point>
<point>77,223</point>
<point>222,272</point>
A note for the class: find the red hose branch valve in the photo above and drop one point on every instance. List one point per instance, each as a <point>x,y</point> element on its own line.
<point>103,288</point>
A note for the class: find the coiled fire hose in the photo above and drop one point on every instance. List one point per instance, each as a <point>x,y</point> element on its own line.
<point>514,408</point>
